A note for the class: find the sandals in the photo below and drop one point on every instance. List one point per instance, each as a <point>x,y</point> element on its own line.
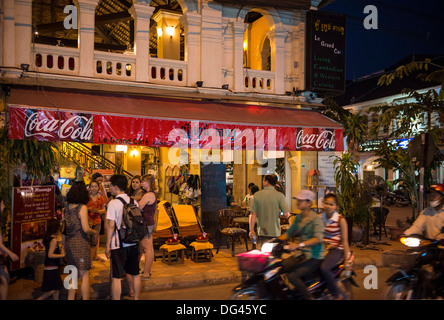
<point>146,277</point>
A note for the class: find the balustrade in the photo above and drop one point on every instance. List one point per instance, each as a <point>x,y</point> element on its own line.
<point>259,81</point>
<point>55,59</point>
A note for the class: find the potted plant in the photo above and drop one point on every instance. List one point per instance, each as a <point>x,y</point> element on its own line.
<point>355,200</point>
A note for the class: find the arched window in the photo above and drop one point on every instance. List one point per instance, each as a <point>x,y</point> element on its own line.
<point>257,46</point>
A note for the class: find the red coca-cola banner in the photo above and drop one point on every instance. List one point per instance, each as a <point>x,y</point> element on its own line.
<point>53,125</point>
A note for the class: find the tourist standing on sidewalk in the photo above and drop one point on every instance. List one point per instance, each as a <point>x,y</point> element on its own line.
<point>135,190</point>
<point>78,248</point>
<point>266,209</point>
<point>431,220</point>
<point>148,205</point>
<point>99,178</point>
<point>4,254</point>
<point>124,257</point>
<point>96,209</point>
<point>335,240</point>
<point>308,226</point>
<point>52,282</point>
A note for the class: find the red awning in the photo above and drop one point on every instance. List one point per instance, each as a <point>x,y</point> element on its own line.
<point>120,116</point>
<point>132,105</point>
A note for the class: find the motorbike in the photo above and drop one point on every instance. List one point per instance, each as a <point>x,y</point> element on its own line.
<point>421,271</point>
<point>267,282</point>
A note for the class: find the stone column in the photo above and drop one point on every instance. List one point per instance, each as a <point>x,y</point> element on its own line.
<point>23,31</point>
<point>191,23</point>
<point>86,14</point>
<point>211,46</point>
<point>277,41</point>
<point>8,34</point>
<point>238,59</point>
<point>141,14</point>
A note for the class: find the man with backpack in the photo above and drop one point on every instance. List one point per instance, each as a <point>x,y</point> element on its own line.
<point>124,256</point>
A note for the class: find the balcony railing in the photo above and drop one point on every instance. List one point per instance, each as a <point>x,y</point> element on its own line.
<point>259,81</point>
<point>167,71</point>
<point>109,65</point>
<point>55,59</point>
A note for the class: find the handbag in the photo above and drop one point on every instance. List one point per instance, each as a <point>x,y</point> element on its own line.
<point>68,172</point>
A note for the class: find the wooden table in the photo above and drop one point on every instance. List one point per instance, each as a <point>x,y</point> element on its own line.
<point>173,254</point>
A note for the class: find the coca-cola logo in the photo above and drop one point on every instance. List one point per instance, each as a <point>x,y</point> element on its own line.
<point>324,140</point>
<point>76,127</point>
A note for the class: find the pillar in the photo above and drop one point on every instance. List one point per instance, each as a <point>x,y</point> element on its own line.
<point>168,42</point>
<point>86,15</point>
<point>238,59</point>
<point>211,46</point>
<point>277,41</point>
<point>192,23</point>
<point>8,34</point>
<point>141,14</point>
<point>23,31</point>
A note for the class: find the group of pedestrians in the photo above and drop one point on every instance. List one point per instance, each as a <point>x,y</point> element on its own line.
<point>87,210</point>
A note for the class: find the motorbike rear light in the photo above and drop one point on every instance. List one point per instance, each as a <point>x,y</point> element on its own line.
<point>253,261</point>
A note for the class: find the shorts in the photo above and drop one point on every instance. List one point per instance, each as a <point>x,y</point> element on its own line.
<point>4,273</point>
<point>125,261</point>
<point>150,231</point>
<point>94,239</point>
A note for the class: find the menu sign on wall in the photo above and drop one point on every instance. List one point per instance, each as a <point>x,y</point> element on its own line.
<point>31,208</point>
<point>325,52</point>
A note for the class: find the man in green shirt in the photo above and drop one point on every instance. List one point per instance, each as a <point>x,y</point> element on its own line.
<point>265,209</point>
<point>309,227</point>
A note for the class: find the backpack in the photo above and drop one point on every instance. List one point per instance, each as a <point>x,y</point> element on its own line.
<point>133,228</point>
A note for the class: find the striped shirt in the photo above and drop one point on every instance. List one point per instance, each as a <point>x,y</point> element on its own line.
<point>332,232</point>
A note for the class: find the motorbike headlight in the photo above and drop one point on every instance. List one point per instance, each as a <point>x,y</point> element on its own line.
<point>410,241</point>
<point>268,247</point>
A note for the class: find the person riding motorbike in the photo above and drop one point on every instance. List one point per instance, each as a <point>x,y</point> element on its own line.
<point>309,227</point>
<point>431,220</point>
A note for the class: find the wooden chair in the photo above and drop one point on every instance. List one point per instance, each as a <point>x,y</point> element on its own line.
<point>188,224</point>
<point>227,229</point>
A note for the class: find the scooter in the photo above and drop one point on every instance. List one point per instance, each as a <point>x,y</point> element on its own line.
<point>266,282</point>
<point>413,280</point>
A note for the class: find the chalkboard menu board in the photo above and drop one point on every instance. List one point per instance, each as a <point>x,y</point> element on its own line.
<point>325,52</point>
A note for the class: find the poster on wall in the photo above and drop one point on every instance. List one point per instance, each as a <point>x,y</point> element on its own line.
<point>327,168</point>
<point>32,207</point>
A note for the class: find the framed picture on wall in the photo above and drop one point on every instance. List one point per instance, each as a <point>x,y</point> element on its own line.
<point>120,159</point>
<point>111,156</point>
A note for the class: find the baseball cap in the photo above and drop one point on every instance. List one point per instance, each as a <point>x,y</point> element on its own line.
<point>305,195</point>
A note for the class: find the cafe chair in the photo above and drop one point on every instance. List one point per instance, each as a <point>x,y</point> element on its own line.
<point>227,229</point>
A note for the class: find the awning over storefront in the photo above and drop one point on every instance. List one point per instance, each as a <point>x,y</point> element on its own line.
<point>139,120</point>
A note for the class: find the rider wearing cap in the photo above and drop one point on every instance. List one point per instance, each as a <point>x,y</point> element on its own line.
<point>309,227</point>
<point>431,220</point>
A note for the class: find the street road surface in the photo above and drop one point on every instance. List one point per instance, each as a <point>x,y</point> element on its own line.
<point>223,291</point>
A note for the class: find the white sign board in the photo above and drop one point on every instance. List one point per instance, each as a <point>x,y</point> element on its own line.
<point>327,168</point>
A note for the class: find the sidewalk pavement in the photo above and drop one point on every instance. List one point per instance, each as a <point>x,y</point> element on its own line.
<point>222,269</point>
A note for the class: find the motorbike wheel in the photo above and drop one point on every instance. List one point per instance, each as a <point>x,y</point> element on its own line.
<point>397,291</point>
<point>248,293</point>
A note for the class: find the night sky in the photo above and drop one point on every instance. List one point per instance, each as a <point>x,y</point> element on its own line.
<point>404,27</point>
